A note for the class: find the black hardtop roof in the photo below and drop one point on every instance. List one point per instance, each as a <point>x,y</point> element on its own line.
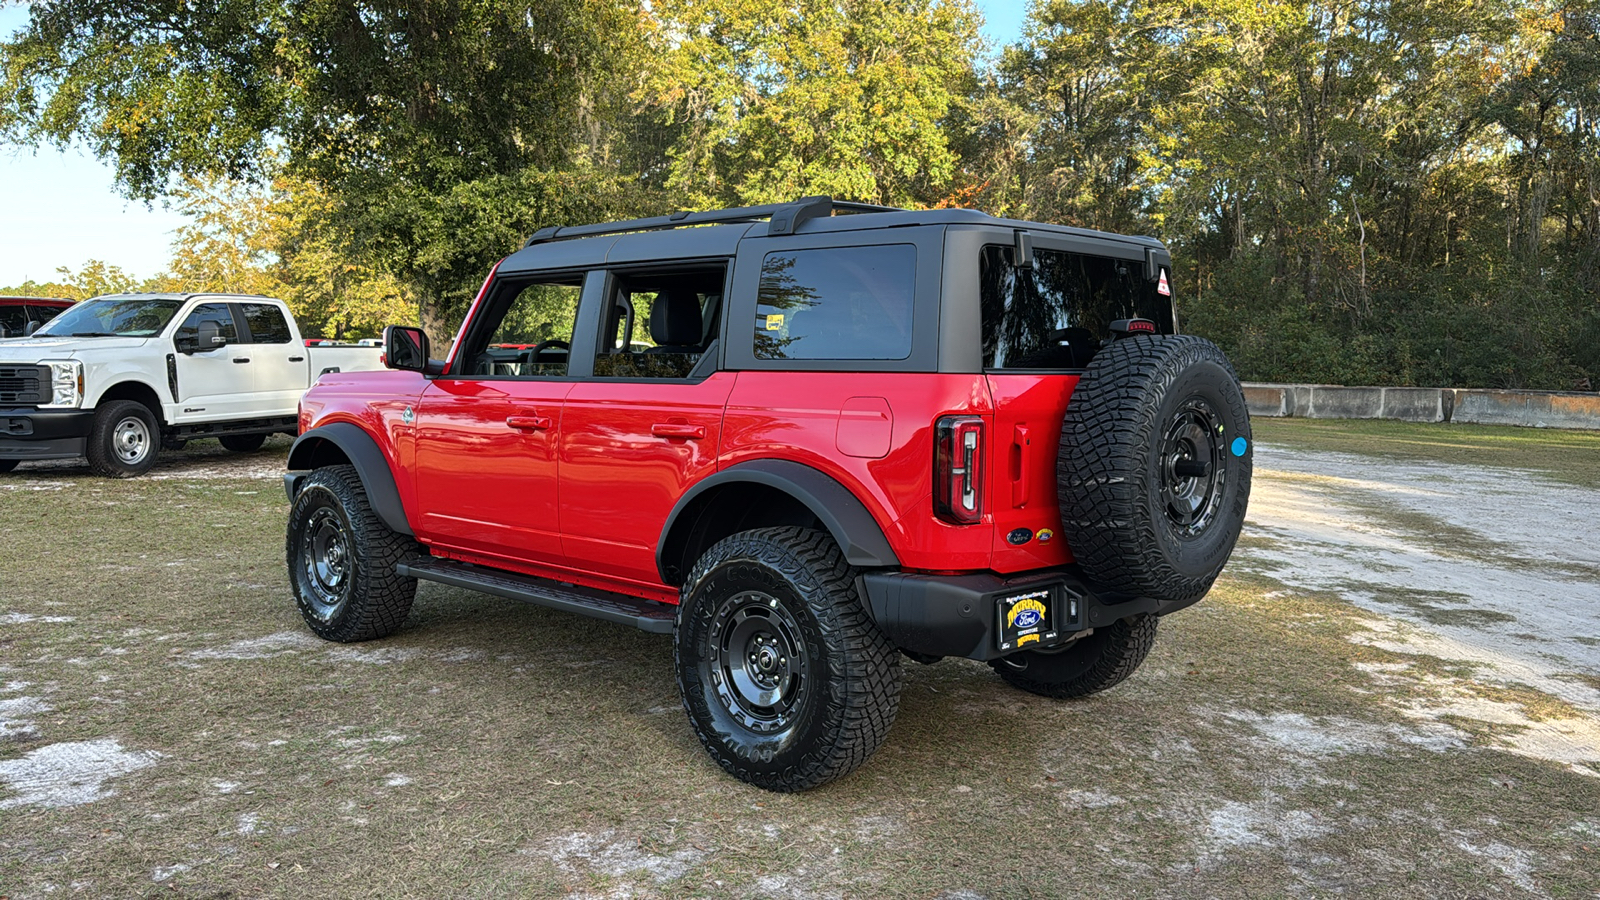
<point>716,233</point>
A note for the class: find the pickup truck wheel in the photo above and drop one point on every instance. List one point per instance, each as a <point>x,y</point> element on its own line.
<point>787,681</point>
<point>1090,664</point>
<point>1154,469</point>
<point>123,439</point>
<point>342,560</point>
<point>242,443</point>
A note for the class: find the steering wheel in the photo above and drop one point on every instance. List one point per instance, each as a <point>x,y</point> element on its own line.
<point>530,356</point>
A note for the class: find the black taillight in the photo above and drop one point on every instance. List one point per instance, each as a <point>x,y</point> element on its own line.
<point>958,470</point>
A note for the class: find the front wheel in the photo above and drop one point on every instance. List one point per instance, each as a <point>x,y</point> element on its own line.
<point>342,560</point>
<point>787,681</point>
<point>123,440</point>
<point>1086,666</point>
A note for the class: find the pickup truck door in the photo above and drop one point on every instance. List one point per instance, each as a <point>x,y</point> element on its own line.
<point>215,383</point>
<point>277,361</point>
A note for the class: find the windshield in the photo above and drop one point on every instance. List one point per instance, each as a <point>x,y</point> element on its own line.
<point>113,317</point>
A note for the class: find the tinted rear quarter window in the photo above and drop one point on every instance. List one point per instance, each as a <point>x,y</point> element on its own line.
<point>13,319</point>
<point>267,325</point>
<point>1055,315</point>
<point>836,303</point>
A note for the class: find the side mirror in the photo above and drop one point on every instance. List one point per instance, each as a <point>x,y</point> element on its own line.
<point>209,335</point>
<point>406,348</point>
<point>30,328</point>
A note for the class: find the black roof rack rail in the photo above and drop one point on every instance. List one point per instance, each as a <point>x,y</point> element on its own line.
<point>785,218</point>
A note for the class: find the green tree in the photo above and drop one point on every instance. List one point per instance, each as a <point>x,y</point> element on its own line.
<point>776,100</point>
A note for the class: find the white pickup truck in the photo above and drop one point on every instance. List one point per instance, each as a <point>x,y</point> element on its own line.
<point>116,378</point>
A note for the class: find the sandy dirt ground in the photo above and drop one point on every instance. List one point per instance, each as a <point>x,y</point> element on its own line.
<point>1493,568</point>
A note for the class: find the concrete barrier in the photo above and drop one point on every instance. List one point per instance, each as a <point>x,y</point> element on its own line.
<point>1536,409</point>
<point>1528,408</point>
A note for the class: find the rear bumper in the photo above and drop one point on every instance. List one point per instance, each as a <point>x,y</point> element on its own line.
<point>958,615</point>
<point>28,433</point>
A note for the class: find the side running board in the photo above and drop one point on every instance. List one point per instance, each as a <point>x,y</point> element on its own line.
<point>645,615</point>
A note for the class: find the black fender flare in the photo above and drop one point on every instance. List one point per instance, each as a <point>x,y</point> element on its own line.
<point>371,465</point>
<point>844,516</point>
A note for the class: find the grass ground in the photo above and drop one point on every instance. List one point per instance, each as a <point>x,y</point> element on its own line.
<point>492,749</point>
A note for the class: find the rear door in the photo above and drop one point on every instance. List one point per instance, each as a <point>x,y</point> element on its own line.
<point>1041,327</point>
<point>215,383</point>
<point>277,361</point>
<point>647,425</point>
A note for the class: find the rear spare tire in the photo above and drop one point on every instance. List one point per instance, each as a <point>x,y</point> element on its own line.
<point>1154,470</point>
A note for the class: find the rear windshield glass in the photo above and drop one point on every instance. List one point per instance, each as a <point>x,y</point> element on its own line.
<point>1055,315</point>
<point>836,303</point>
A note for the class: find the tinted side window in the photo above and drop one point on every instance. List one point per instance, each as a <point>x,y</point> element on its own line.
<point>43,314</point>
<point>532,335</point>
<point>1055,315</point>
<point>13,319</point>
<point>267,324</point>
<point>836,303</point>
<point>209,312</point>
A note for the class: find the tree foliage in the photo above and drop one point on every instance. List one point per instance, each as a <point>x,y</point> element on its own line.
<point>1355,190</point>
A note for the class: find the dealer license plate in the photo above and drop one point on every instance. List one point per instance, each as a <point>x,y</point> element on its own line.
<point>1027,618</point>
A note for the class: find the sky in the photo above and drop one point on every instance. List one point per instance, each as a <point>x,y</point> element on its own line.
<point>61,209</point>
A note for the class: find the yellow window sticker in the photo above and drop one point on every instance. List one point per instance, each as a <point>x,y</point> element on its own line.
<point>775,322</point>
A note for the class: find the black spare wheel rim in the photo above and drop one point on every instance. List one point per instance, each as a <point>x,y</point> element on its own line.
<point>756,661</point>
<point>1194,468</point>
<point>328,562</point>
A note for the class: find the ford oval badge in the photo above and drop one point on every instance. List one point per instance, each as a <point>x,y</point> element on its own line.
<point>1027,618</point>
<point>1020,536</point>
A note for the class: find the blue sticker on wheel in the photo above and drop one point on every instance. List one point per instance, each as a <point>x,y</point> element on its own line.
<point>1240,445</point>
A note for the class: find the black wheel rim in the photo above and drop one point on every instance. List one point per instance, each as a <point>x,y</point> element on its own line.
<point>327,561</point>
<point>757,661</point>
<point>1193,467</point>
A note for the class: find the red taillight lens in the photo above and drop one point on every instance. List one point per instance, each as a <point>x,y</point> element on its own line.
<point>958,469</point>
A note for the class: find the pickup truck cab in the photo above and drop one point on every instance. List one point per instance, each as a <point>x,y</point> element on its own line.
<point>118,377</point>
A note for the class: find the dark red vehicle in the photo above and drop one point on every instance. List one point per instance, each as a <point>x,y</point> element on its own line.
<point>855,438</point>
<point>19,316</point>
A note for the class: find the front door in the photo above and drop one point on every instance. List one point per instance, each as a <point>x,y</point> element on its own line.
<point>215,382</point>
<point>488,430</point>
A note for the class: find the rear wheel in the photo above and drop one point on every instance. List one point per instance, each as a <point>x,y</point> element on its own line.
<point>123,440</point>
<point>1155,465</point>
<point>342,560</point>
<point>242,443</point>
<point>1086,666</point>
<point>787,681</point>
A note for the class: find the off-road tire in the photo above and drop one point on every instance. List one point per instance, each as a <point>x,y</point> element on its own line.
<point>845,675</point>
<point>1090,665</point>
<point>7,465</point>
<point>1125,514</point>
<point>242,443</point>
<point>123,440</point>
<point>342,560</point>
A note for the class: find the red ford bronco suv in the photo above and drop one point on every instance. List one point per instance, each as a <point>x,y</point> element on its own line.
<point>805,439</point>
